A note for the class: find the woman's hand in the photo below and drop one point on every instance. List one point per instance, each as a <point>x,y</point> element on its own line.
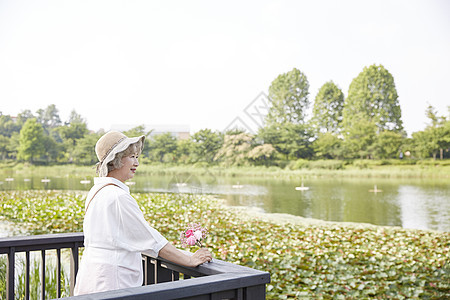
<point>171,253</point>
<point>200,256</point>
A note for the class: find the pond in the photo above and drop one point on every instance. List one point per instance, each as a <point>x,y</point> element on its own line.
<point>409,203</point>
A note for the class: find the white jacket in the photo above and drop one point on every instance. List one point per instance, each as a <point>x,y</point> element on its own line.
<point>115,234</point>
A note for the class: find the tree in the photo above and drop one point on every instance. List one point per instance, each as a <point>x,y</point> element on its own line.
<point>24,116</point>
<point>31,141</point>
<point>76,118</point>
<point>291,140</point>
<point>328,106</point>
<point>436,136</point>
<point>327,145</point>
<point>184,150</point>
<point>49,118</point>
<point>137,131</point>
<point>289,96</point>
<point>84,151</point>
<point>262,154</point>
<point>235,149</point>
<point>359,138</point>
<point>387,144</point>
<point>162,145</point>
<point>4,142</point>
<point>52,150</point>
<point>7,125</point>
<point>206,143</point>
<point>422,144</point>
<point>72,133</point>
<point>372,95</point>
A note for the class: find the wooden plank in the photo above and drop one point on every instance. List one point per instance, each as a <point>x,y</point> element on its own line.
<point>183,288</point>
<point>36,242</point>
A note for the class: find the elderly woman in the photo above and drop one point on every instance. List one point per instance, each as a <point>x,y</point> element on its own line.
<point>115,231</point>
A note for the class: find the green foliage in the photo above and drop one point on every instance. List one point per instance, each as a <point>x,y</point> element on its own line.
<point>328,106</point>
<point>316,164</point>
<point>289,94</point>
<point>291,140</point>
<point>372,95</point>
<point>31,141</point>
<point>73,132</point>
<point>327,145</point>
<point>205,145</point>
<point>325,260</point>
<point>161,146</point>
<point>235,149</point>
<point>262,154</point>
<point>8,126</point>
<point>4,142</point>
<point>359,138</point>
<point>387,145</point>
<point>435,138</point>
<point>84,151</point>
<point>49,118</point>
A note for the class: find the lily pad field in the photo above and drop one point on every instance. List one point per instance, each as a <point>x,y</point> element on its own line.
<point>311,260</point>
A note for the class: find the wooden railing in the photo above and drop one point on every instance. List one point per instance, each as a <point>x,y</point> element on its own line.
<point>215,280</point>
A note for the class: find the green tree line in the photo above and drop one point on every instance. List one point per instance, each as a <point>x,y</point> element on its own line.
<point>365,124</point>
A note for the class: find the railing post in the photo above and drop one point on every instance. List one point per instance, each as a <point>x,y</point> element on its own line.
<point>43,275</point>
<point>149,270</point>
<point>73,266</point>
<point>10,274</point>
<point>27,275</point>
<point>58,273</point>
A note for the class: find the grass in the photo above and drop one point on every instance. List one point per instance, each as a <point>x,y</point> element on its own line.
<point>320,168</point>
<point>317,261</point>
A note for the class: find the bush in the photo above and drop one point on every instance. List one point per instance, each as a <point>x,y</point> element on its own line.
<point>326,164</point>
<point>298,164</point>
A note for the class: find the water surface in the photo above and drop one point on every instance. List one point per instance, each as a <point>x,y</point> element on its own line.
<point>410,203</point>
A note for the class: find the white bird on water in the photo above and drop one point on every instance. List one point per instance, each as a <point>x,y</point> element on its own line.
<point>302,187</point>
<point>375,190</point>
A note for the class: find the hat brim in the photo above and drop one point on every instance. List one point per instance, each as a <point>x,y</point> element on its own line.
<point>122,146</point>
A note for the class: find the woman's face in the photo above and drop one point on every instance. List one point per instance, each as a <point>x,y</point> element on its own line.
<point>130,164</point>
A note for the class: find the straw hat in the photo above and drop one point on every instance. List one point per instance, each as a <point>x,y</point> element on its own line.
<point>109,145</point>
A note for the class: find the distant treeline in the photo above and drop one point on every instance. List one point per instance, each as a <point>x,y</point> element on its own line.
<point>365,124</point>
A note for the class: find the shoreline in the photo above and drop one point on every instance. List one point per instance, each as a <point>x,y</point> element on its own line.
<point>422,169</point>
<point>252,213</point>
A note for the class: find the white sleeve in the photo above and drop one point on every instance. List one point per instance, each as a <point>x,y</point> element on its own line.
<point>134,233</point>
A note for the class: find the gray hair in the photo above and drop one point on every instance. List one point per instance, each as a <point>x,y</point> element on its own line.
<point>116,163</point>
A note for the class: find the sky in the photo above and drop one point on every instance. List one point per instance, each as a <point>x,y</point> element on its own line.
<point>205,64</point>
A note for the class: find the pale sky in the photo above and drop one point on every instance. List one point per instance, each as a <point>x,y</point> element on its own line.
<point>201,63</point>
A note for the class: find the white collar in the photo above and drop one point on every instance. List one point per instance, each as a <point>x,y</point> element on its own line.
<point>104,180</point>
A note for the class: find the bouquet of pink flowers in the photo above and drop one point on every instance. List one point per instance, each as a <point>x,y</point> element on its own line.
<point>193,235</point>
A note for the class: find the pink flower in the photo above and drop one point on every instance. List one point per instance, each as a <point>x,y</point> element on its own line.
<point>189,233</point>
<point>191,240</point>
<point>193,235</point>
<point>198,235</point>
